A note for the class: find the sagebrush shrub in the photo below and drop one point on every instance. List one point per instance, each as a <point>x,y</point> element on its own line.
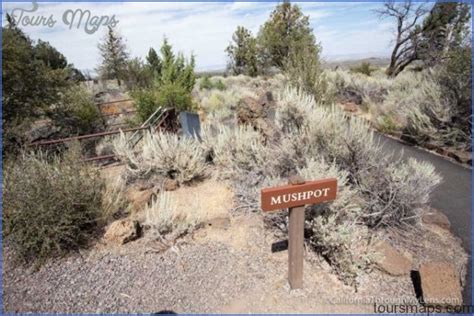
<point>422,105</point>
<point>394,192</point>
<point>373,191</point>
<point>165,218</point>
<point>182,159</point>
<point>51,205</point>
<point>235,150</point>
<point>348,141</point>
<point>364,68</point>
<point>334,226</point>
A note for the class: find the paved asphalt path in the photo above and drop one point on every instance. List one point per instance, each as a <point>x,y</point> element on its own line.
<point>452,196</point>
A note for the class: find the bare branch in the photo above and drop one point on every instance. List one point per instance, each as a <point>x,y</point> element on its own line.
<point>407,16</point>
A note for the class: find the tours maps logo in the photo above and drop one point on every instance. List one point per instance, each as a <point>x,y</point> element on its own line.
<point>72,18</point>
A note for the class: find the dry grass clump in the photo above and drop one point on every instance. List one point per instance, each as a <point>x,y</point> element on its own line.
<point>51,204</point>
<point>181,159</point>
<point>164,218</point>
<point>114,201</point>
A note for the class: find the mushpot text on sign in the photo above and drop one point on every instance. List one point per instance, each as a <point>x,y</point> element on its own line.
<point>311,192</point>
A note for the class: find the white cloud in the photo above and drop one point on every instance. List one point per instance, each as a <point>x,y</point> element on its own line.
<point>204,29</point>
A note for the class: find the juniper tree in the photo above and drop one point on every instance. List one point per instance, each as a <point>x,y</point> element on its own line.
<point>445,28</point>
<point>114,56</point>
<point>286,30</point>
<point>286,41</point>
<point>154,62</point>
<point>172,85</point>
<point>242,53</point>
<point>139,74</point>
<point>34,77</point>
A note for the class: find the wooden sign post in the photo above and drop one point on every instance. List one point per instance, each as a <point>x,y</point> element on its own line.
<point>295,196</point>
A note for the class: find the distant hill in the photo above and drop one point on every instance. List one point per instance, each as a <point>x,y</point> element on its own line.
<point>327,64</point>
<point>346,64</point>
<point>210,73</point>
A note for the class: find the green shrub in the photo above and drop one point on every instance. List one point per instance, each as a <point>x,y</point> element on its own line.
<point>174,96</point>
<point>219,85</point>
<point>145,102</point>
<point>364,68</point>
<point>205,83</point>
<point>455,79</point>
<point>168,95</point>
<point>51,205</point>
<point>76,112</point>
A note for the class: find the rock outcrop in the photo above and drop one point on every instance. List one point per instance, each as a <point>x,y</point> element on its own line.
<point>440,284</point>
<point>391,260</point>
<point>122,231</point>
<point>258,113</point>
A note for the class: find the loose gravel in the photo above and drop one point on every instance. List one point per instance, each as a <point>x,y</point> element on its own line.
<point>196,278</point>
<point>231,270</point>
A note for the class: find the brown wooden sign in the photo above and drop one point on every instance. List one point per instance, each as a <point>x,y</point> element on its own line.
<point>295,196</point>
<point>311,192</point>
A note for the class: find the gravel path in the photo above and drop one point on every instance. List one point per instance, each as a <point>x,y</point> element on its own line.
<point>138,282</point>
<point>230,270</point>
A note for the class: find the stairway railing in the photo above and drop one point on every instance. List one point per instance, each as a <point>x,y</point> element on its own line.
<point>154,121</point>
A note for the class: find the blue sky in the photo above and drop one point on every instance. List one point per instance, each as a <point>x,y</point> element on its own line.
<point>345,29</point>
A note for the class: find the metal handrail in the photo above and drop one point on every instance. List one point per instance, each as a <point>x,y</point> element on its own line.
<point>101,134</point>
<point>155,119</point>
<point>152,119</point>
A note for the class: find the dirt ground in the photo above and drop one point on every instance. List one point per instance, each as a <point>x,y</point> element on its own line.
<point>225,267</point>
